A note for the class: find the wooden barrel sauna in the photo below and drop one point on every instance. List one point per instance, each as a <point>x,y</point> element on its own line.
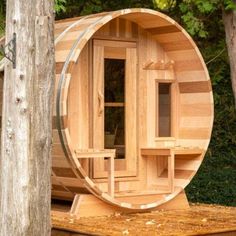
<point>133,108</point>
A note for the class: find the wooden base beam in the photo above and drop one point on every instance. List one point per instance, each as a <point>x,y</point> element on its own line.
<point>83,204</point>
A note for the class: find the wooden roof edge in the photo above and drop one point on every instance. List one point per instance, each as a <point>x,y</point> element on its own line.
<point>75,18</point>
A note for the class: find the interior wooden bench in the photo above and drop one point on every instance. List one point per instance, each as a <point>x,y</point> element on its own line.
<point>101,153</point>
<point>170,153</point>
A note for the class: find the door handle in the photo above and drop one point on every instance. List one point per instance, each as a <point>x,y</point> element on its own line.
<point>100,103</point>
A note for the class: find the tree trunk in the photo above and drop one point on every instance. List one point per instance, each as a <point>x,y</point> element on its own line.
<point>229,19</point>
<point>26,121</point>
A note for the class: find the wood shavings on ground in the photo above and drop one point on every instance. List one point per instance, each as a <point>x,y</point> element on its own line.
<point>198,220</point>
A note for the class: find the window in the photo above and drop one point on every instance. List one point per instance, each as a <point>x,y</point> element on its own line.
<point>164,110</point>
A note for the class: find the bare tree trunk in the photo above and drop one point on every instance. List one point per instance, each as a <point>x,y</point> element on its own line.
<point>26,122</point>
<point>229,19</point>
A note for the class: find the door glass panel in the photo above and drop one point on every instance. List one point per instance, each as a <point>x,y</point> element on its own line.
<point>114,80</point>
<point>164,109</point>
<point>114,72</point>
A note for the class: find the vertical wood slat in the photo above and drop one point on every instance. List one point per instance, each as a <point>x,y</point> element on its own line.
<point>131,108</point>
<point>98,103</point>
<point>111,176</point>
<point>171,171</point>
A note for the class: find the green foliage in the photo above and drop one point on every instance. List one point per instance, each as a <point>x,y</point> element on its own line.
<point>85,7</point>
<point>194,25</point>
<point>164,5</point>
<point>229,5</point>
<point>2,17</point>
<point>197,13</point>
<point>2,25</point>
<point>60,6</point>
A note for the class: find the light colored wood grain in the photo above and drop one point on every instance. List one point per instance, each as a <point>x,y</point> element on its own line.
<point>187,151</point>
<point>188,65</point>
<point>178,46</point>
<point>195,87</point>
<point>111,176</point>
<point>193,122</point>
<point>170,155</point>
<point>190,76</point>
<point>98,116</point>
<point>131,109</point>
<point>195,98</point>
<point>169,29</point>
<point>138,36</point>
<point>95,153</point>
<point>196,110</point>
<point>194,133</point>
<point>155,151</point>
<point>201,143</point>
<point>171,171</point>
<point>67,181</point>
<point>147,21</point>
<point>154,53</point>
<point>183,164</point>
<point>184,55</point>
<point>108,153</point>
<point>78,103</point>
<point>60,161</point>
<point>115,52</point>
<point>159,65</point>
<point>117,44</point>
<point>130,106</point>
<point>170,38</point>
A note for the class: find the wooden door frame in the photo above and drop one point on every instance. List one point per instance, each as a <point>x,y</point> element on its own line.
<point>117,50</point>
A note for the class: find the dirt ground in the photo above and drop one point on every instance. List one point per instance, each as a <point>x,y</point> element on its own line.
<point>198,220</point>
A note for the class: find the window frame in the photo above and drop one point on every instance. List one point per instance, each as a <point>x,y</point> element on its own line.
<point>173,108</point>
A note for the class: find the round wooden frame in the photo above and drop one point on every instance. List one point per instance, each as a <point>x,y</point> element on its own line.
<point>147,19</point>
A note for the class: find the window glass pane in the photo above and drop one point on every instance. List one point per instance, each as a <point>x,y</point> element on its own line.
<point>115,130</point>
<point>164,110</point>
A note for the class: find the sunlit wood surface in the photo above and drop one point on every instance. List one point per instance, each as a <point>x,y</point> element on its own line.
<point>198,220</point>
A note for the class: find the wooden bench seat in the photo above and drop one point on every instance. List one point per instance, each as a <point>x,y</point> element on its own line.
<point>187,151</point>
<point>101,153</point>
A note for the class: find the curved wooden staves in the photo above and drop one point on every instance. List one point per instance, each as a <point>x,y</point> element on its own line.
<point>195,96</point>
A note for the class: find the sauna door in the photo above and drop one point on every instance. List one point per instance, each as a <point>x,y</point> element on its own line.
<point>114,105</point>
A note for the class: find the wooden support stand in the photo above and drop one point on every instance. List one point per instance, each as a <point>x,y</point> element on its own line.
<point>163,152</point>
<point>83,204</point>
